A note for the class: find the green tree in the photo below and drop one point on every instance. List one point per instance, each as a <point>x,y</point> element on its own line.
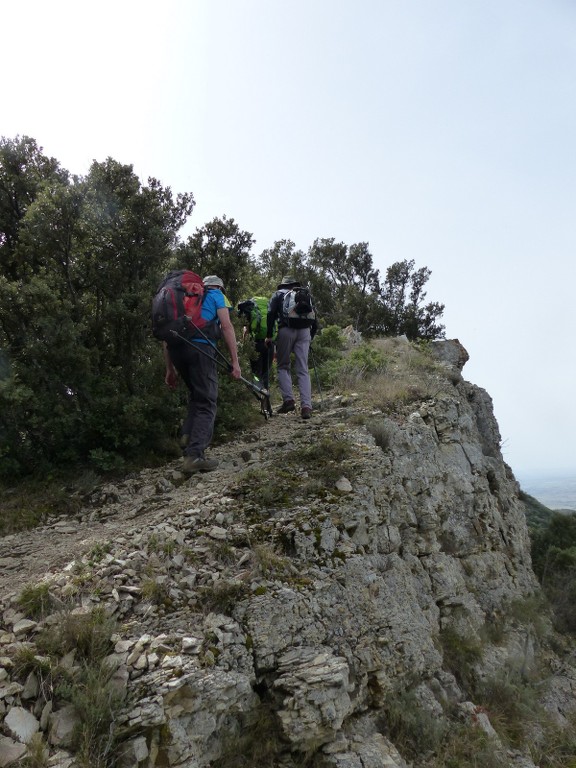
<point>554,562</point>
<point>74,308</point>
<point>345,283</point>
<point>403,296</point>
<point>24,169</point>
<point>220,248</point>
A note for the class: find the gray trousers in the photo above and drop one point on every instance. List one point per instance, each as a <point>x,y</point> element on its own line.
<point>296,341</point>
<point>197,367</point>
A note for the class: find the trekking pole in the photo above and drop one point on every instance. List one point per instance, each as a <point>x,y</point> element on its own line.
<point>316,375</point>
<point>261,394</point>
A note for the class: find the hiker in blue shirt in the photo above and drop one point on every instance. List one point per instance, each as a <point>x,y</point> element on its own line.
<point>294,336</point>
<point>195,364</point>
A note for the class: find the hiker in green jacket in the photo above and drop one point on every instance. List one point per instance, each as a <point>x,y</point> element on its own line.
<point>255,312</point>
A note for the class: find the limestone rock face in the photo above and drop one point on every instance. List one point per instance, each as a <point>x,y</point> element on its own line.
<point>292,616</point>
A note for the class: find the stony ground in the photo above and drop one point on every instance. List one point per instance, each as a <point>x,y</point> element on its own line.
<point>145,498</point>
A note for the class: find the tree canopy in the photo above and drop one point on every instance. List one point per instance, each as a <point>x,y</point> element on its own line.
<point>80,257</point>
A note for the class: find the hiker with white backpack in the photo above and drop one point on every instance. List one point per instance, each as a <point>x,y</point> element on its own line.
<point>292,307</point>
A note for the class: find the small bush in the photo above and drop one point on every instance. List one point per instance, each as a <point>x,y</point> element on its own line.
<point>365,359</point>
<point>555,746</point>
<point>222,596</point>
<point>35,600</point>
<point>329,448</point>
<point>548,544</point>
<point>47,672</point>
<point>554,562</point>
<point>533,610</point>
<point>223,552</point>
<point>257,741</point>
<point>468,747</point>
<point>98,551</point>
<point>267,489</point>
<point>268,563</point>
<point>413,729</point>
<point>461,654</point>
<point>238,409</point>
<point>512,708</point>
<point>34,503</point>
<point>156,592</point>
<point>87,633</point>
<point>381,431</point>
<point>98,704</point>
<point>37,753</point>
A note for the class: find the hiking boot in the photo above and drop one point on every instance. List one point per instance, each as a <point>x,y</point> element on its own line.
<point>198,464</point>
<point>306,412</point>
<point>287,407</point>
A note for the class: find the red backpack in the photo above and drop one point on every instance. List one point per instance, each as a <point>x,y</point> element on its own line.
<point>177,307</point>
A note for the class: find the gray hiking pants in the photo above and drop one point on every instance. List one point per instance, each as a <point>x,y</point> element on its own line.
<point>297,341</point>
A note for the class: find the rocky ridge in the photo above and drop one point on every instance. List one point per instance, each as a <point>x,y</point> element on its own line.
<point>293,594</point>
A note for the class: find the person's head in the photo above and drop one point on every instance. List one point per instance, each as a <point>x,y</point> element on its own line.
<point>289,281</point>
<point>213,281</point>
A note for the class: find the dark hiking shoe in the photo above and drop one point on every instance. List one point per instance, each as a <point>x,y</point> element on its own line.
<point>306,413</point>
<point>287,407</point>
<point>198,464</point>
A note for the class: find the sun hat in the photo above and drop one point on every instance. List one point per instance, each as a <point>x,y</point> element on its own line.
<point>288,281</point>
<point>211,280</point>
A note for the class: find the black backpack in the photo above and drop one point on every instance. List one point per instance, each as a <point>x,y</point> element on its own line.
<point>298,308</point>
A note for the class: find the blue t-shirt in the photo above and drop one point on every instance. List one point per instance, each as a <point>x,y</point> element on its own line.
<point>213,301</point>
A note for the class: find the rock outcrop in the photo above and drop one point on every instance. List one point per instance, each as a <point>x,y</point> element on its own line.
<point>273,612</point>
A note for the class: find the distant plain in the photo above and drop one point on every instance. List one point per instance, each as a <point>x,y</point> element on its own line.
<point>554,491</point>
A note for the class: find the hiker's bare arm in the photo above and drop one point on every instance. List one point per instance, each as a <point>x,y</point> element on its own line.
<point>230,339</point>
<point>171,376</point>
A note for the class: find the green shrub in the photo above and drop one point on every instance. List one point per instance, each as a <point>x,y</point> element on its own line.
<point>329,448</point>
<point>537,514</point>
<point>268,563</point>
<point>512,707</point>
<point>365,359</point>
<point>87,633</point>
<point>549,542</point>
<point>222,596</point>
<point>413,729</point>
<point>35,502</point>
<point>238,408</point>
<point>156,592</point>
<point>326,354</point>
<point>554,562</point>
<point>533,610</point>
<point>467,746</point>
<point>560,589</point>
<point>98,703</point>
<point>37,753</point>
<point>461,654</point>
<point>255,741</point>
<point>555,745</point>
<point>35,600</point>
<point>381,431</point>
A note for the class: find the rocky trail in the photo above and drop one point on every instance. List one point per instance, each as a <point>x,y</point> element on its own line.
<point>144,499</point>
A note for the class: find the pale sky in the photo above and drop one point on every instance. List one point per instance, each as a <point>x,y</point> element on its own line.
<point>443,132</point>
